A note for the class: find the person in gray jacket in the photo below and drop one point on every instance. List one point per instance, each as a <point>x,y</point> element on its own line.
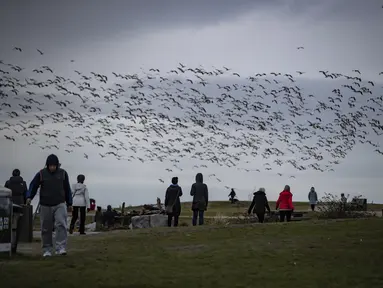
<point>200,194</point>
<point>313,198</point>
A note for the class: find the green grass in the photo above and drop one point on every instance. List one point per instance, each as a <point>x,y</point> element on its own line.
<point>228,209</point>
<point>217,208</point>
<point>319,254</point>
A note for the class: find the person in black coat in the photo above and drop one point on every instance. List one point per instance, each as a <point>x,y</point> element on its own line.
<point>172,202</point>
<point>259,205</point>
<point>18,187</point>
<point>200,193</point>
<point>232,196</point>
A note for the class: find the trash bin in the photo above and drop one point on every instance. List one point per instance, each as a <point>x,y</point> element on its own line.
<point>5,221</point>
<point>9,222</point>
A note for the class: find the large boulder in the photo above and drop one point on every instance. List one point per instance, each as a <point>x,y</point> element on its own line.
<point>149,221</point>
<point>142,221</point>
<point>158,220</point>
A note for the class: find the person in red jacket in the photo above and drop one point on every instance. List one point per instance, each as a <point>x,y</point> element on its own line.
<point>285,204</point>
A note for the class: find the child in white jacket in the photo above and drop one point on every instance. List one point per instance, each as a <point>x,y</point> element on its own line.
<point>81,203</point>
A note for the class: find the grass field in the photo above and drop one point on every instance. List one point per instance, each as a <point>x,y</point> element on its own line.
<point>344,253</point>
<point>219,208</point>
<point>227,209</point>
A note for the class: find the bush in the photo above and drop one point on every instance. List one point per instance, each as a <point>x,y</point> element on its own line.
<point>331,207</point>
<point>220,219</point>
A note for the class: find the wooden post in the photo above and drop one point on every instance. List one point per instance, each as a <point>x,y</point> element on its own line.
<point>26,223</point>
<point>98,219</point>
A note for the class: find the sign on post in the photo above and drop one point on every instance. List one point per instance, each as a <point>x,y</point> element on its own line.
<point>5,221</point>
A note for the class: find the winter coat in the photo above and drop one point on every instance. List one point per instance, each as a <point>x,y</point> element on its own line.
<point>54,186</point>
<point>285,201</point>
<point>259,203</point>
<point>19,189</point>
<point>313,197</point>
<point>200,194</point>
<point>172,197</point>
<point>80,195</point>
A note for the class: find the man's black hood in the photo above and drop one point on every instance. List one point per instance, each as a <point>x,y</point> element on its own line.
<point>52,160</point>
<point>199,178</point>
<point>16,179</point>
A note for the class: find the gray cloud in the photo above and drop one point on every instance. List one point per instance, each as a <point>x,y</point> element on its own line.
<point>86,21</point>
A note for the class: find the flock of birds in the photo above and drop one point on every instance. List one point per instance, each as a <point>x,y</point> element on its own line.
<point>207,115</point>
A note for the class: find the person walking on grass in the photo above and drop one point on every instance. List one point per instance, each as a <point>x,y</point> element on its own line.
<point>259,205</point>
<point>285,204</point>
<point>232,195</point>
<point>81,203</point>
<point>172,202</point>
<point>200,194</point>
<point>313,198</point>
<point>55,201</point>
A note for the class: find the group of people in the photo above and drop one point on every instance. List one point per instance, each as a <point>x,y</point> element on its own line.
<point>57,197</point>
<point>260,204</point>
<point>200,193</point>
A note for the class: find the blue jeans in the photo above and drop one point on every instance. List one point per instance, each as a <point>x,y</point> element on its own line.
<point>198,214</point>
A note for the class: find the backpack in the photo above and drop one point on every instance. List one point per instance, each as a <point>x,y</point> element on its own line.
<point>17,188</point>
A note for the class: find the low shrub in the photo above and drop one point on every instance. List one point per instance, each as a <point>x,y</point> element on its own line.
<point>332,207</point>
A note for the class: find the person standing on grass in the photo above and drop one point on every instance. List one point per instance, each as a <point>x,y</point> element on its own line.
<point>313,198</point>
<point>232,195</point>
<point>259,205</point>
<point>81,203</point>
<point>343,198</point>
<point>172,202</point>
<point>55,201</point>
<point>200,194</point>
<point>18,187</point>
<point>285,204</point>
<point>19,193</point>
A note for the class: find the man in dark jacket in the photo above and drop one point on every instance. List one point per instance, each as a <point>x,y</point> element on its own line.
<point>172,202</point>
<point>232,196</point>
<point>18,186</point>
<point>55,199</point>
<point>109,217</point>
<point>259,205</point>
<point>19,193</point>
<point>200,194</point>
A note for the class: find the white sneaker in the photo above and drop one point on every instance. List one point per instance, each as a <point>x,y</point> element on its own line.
<point>47,254</point>
<point>62,252</point>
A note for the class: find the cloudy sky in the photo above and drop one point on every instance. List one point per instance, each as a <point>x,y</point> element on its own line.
<point>250,37</point>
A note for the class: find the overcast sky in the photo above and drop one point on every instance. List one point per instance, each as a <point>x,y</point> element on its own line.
<point>247,36</point>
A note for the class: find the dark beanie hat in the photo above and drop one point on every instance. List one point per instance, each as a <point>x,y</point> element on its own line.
<point>52,160</point>
<point>175,180</point>
<point>16,173</point>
